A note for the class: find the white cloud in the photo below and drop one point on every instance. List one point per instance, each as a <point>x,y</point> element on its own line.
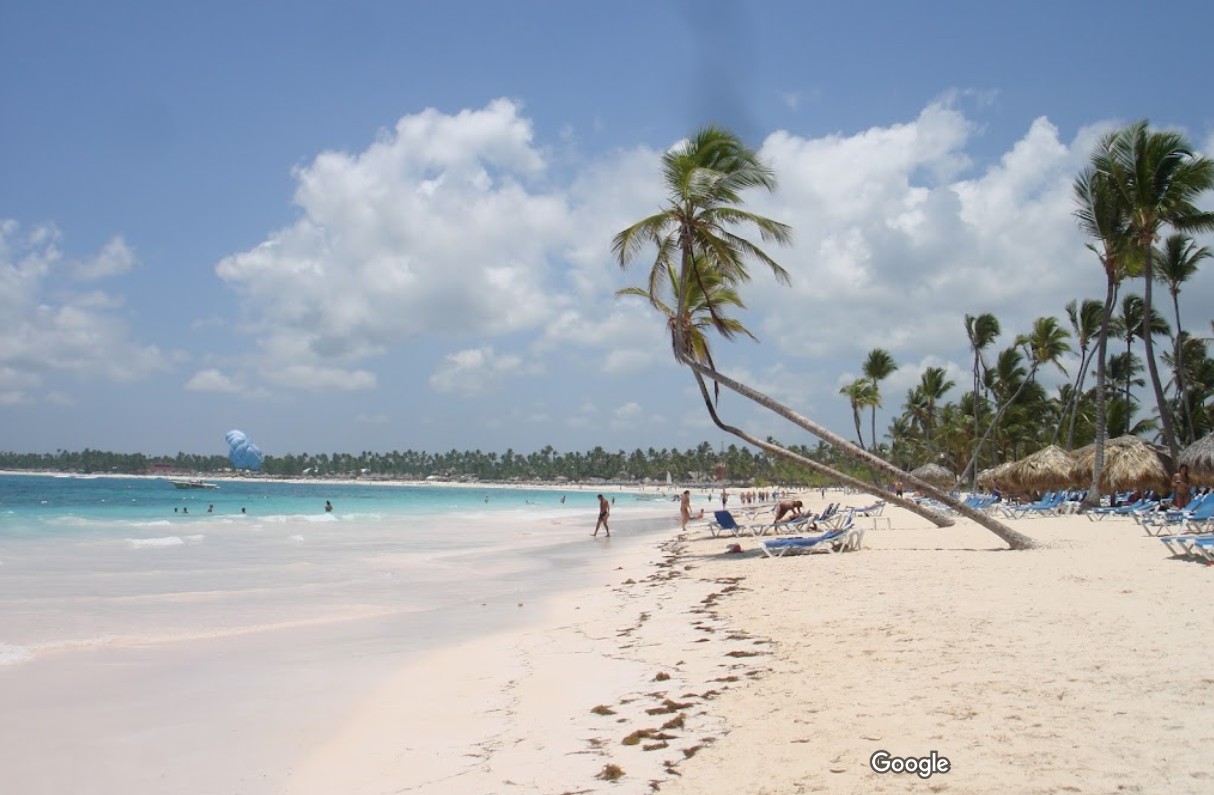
<point>474,371</point>
<point>319,378</point>
<point>50,329</point>
<point>429,231</point>
<point>211,380</point>
<point>116,258</point>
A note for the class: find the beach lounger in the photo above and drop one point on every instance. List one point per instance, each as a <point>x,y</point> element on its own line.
<point>1203,548</point>
<point>1156,523</point>
<point>844,538</point>
<point>779,547</point>
<point>725,523</point>
<point>1046,505</point>
<point>1190,545</point>
<point>1096,514</point>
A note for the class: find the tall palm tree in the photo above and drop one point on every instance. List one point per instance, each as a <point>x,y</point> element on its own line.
<point>877,367</point>
<point>1159,176</point>
<point>705,177</point>
<point>934,384</point>
<point>1101,214</point>
<point>1085,323</point>
<point>1177,262</point>
<point>1045,344</point>
<point>982,331</point>
<point>856,393</point>
<point>1131,324</point>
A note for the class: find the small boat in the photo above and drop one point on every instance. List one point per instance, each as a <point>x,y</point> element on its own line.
<point>193,484</point>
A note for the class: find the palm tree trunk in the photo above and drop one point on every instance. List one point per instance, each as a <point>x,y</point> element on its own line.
<point>1092,500</point>
<point>973,479</point>
<point>1013,539</point>
<point>937,519</point>
<point>872,436</point>
<point>1084,363</point>
<point>1165,414</point>
<point>972,465</point>
<point>1178,364</point>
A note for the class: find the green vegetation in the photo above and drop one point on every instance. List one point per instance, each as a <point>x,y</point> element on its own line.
<point>698,464</point>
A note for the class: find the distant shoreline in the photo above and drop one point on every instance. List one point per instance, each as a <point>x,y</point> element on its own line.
<point>577,486</point>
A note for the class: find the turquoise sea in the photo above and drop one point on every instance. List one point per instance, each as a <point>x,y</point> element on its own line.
<point>138,620</point>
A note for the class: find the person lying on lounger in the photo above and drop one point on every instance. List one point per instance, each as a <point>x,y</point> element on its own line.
<point>788,509</point>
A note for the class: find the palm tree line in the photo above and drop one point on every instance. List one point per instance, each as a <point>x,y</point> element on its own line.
<point>700,464</point>
<point>1139,184</point>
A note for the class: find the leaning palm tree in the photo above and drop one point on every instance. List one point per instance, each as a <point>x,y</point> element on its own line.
<point>712,291</point>
<point>705,177</point>
<point>982,330</point>
<point>1158,176</point>
<point>877,367</point>
<point>1177,262</point>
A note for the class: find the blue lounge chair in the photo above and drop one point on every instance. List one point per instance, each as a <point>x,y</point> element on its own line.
<point>1129,509</point>
<point>843,538</point>
<point>1196,516</point>
<point>725,523</point>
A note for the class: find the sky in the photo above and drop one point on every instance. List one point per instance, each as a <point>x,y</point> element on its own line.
<point>385,226</point>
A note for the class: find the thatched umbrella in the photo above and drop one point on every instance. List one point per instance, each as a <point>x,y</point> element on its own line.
<point>1129,463</point>
<point>995,476</point>
<point>1049,468</point>
<point>1199,457</point>
<point>935,475</point>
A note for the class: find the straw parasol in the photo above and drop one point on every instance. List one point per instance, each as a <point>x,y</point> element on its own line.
<point>1049,468</point>
<point>935,475</point>
<point>995,476</point>
<point>1129,463</point>
<point>1199,457</point>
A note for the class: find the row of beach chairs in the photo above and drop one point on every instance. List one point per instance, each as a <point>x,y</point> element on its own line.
<point>839,530</point>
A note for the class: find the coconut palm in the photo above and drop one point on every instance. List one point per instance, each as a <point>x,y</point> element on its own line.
<point>934,384</point>
<point>688,283</point>
<point>877,367</point>
<point>1085,323</point>
<point>1044,345</point>
<point>710,290</point>
<point>1158,176</point>
<point>1101,214</point>
<point>1131,324</point>
<point>982,330</point>
<point>857,394</point>
<point>1177,261</point>
<point>705,177</point>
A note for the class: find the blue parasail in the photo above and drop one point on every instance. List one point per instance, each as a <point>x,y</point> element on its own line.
<point>242,452</point>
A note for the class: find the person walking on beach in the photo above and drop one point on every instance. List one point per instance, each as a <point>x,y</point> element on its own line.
<point>604,512</point>
<point>685,508</point>
<point>724,498</point>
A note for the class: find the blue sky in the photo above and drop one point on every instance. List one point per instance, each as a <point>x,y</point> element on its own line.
<point>375,226</point>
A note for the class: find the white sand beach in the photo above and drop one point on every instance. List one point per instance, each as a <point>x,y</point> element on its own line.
<point>1078,667</point>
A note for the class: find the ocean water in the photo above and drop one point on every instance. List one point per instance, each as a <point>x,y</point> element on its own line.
<point>203,649</point>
